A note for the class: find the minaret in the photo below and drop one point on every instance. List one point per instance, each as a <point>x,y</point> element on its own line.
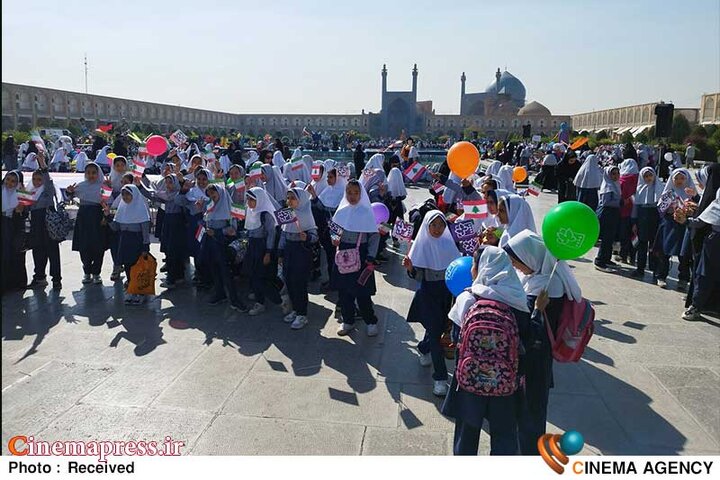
<point>497,80</point>
<point>462,92</point>
<point>384,79</point>
<point>414,88</point>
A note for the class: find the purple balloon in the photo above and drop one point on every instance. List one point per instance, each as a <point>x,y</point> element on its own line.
<point>381,212</point>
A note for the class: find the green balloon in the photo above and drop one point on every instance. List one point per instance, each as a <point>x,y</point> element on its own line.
<point>570,230</point>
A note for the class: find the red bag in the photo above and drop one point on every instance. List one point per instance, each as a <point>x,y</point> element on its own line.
<point>575,327</point>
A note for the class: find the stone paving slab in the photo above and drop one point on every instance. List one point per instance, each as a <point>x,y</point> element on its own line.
<point>75,364</point>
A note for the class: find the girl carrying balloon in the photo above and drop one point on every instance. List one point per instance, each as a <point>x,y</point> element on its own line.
<point>430,254</point>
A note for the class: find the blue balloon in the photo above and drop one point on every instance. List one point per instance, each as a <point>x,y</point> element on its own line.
<point>458,276</point>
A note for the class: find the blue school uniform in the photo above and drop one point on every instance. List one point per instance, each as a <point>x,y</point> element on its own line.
<point>430,306</point>
<point>214,251</point>
<point>297,258</point>
<point>350,291</point>
<point>44,248</point>
<point>90,234</point>
<point>608,213</point>
<point>263,278</point>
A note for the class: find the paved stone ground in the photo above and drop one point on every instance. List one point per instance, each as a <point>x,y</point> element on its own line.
<point>74,367</point>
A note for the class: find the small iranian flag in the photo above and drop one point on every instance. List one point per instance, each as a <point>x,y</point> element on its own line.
<point>105,192</point>
<point>414,171</point>
<point>139,168</point>
<point>315,172</point>
<point>438,187</point>
<point>296,163</point>
<point>534,189</point>
<point>210,206</point>
<point>239,184</point>
<point>255,170</point>
<point>199,233</point>
<point>475,209</point>
<point>237,211</point>
<point>25,198</point>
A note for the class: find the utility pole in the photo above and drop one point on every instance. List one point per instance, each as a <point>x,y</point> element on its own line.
<point>86,70</point>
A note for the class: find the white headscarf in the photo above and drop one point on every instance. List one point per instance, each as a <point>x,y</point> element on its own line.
<point>80,161</point>
<point>590,174</point>
<point>297,153</point>
<point>134,212</point>
<point>711,215</point>
<point>496,280</point>
<point>308,161</point>
<point>300,172</point>
<point>648,193</point>
<point>221,209</point>
<point>530,249</point>
<point>278,160</point>
<point>376,161</point>
<point>101,158</point>
<point>59,157</point>
<point>329,164</point>
<point>225,162</point>
<point>263,204</point>
<point>608,184</point>
<point>679,191</point>
<point>196,193</point>
<point>358,217</point>
<point>493,168</point>
<point>701,177</point>
<point>9,196</point>
<point>629,167</point>
<point>520,217</point>
<point>550,160</point>
<point>31,162</point>
<point>396,185</point>
<point>333,194</point>
<point>430,252</point>
<point>504,178</point>
<point>320,184</point>
<point>252,158</point>
<point>274,184</point>
<point>305,219</point>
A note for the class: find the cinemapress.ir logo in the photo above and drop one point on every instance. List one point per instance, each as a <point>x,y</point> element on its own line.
<point>555,449</point>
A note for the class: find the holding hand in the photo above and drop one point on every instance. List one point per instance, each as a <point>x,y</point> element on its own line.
<point>70,188</point>
<point>303,236</point>
<point>407,263</point>
<point>266,259</point>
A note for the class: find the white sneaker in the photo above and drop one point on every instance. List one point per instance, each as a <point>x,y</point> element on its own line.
<point>290,317</point>
<point>440,388</point>
<point>87,278</point>
<point>345,329</point>
<point>97,279</point>
<point>286,305</point>
<point>299,322</point>
<point>661,283</point>
<point>425,359</point>
<point>257,309</point>
<point>372,330</point>
<point>251,297</point>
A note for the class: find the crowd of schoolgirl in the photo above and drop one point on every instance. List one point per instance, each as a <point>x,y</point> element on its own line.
<point>205,206</point>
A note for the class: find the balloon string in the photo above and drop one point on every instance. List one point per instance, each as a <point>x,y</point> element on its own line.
<point>551,275</point>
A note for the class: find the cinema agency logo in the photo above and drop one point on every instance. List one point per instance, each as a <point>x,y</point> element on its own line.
<point>556,450</point>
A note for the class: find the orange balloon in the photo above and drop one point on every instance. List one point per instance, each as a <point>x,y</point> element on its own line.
<point>463,159</point>
<point>519,174</point>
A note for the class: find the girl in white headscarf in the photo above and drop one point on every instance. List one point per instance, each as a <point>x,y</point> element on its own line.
<point>323,206</point>
<point>515,214</point>
<point>494,168</point>
<point>296,255</point>
<point>260,260</point>
<point>30,164</point>
<point>588,180</point>
<point>546,295</point>
<point>59,161</point>
<point>504,179</point>
<point>680,188</point>
<point>278,160</point>
<point>359,233</point>
<point>645,216</point>
<point>394,197</point>
<point>132,224</point>
<point>274,184</point>
<point>297,170</point>
<point>197,202</point>
<point>494,280</point>
<point>320,183</point>
<point>102,158</point>
<point>81,160</point>
<point>14,274</point>
<point>220,231</point>
<point>430,254</point>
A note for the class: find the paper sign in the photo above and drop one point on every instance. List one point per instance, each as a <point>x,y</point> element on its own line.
<point>403,230</point>
<point>463,230</point>
<point>468,247</point>
<point>343,171</point>
<point>536,138</point>
<point>335,229</point>
<point>285,216</point>
<point>178,138</point>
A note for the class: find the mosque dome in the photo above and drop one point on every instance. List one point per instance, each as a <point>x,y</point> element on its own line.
<point>534,108</point>
<point>508,84</point>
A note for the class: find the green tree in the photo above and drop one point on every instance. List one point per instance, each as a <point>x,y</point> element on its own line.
<point>642,137</point>
<point>626,138</point>
<point>680,129</point>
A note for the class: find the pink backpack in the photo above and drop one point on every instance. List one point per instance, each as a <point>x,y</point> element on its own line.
<point>575,327</point>
<point>488,356</point>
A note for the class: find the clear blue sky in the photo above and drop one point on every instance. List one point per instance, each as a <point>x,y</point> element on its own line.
<point>313,56</point>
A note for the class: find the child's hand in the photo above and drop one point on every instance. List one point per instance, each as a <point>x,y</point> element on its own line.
<point>230,232</point>
<point>311,190</point>
<point>303,236</point>
<point>336,242</point>
<point>679,216</point>
<point>691,191</point>
<point>71,188</point>
<point>542,301</point>
<point>266,259</point>
<point>20,208</point>
<point>407,263</point>
<point>210,232</point>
